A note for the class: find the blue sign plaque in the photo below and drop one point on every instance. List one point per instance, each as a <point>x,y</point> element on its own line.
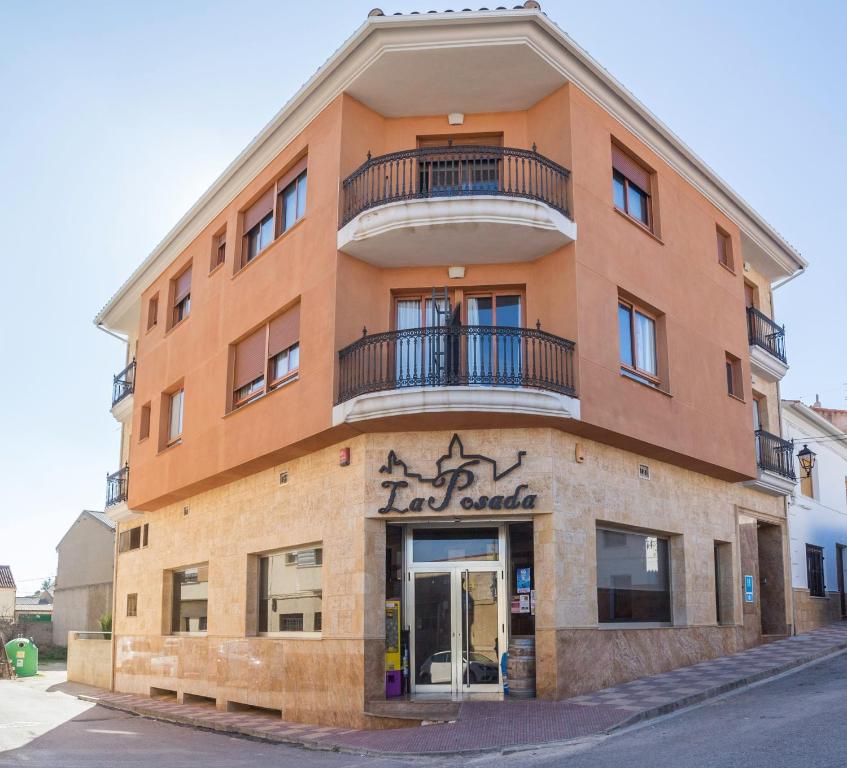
<point>748,589</point>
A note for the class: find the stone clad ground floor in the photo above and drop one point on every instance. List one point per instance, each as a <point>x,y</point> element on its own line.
<point>298,588</point>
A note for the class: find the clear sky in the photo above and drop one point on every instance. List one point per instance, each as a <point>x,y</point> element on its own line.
<point>115,117</point>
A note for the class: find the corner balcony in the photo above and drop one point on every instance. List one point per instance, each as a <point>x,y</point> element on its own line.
<point>123,386</point>
<point>775,462</point>
<point>455,205</point>
<point>767,346</point>
<point>450,369</point>
<point>117,493</point>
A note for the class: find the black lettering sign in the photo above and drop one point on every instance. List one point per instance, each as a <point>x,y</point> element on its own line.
<point>454,473</point>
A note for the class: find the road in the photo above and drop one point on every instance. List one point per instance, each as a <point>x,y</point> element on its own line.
<point>791,722</point>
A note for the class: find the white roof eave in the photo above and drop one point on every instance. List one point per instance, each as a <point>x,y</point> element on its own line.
<point>336,74</point>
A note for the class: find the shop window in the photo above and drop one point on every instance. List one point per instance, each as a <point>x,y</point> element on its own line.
<point>267,358</point>
<point>132,604</point>
<point>190,599</point>
<point>134,538</point>
<point>631,183</point>
<point>291,590</point>
<point>814,570</point>
<point>724,607</point>
<point>633,577</point>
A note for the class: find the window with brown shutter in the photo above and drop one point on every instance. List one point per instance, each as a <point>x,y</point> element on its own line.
<point>283,346</point>
<point>631,187</point>
<point>132,604</point>
<point>258,227</point>
<point>144,423</point>
<point>724,249</point>
<point>218,250</point>
<point>734,385</point>
<point>181,296</point>
<point>291,197</point>
<point>249,380</point>
<point>152,311</point>
<point>267,357</point>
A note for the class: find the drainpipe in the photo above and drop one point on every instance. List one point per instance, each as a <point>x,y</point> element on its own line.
<point>114,607</point>
<point>125,340</point>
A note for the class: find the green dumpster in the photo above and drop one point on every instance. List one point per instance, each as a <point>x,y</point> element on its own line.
<point>23,656</point>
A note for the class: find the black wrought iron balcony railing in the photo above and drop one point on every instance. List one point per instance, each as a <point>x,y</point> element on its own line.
<point>765,333</point>
<point>462,355</point>
<point>117,486</point>
<point>123,383</point>
<point>449,171</point>
<point>775,454</point>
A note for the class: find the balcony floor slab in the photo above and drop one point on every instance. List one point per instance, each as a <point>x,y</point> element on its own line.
<point>417,400</point>
<point>473,229</point>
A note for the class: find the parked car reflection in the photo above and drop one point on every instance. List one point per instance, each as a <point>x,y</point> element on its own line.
<point>438,668</point>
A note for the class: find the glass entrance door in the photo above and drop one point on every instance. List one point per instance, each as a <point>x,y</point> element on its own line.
<point>480,630</point>
<point>456,608</point>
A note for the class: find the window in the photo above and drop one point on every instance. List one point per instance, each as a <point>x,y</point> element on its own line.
<point>181,288</point>
<point>175,409</point>
<point>144,422</point>
<point>814,570</point>
<point>724,249</point>
<point>267,358</point>
<point>807,484</point>
<point>292,203</point>
<point>284,202</point>
<point>734,387</point>
<point>132,604</point>
<point>152,311</point>
<point>134,538</point>
<point>291,590</point>
<point>633,577</point>
<point>637,337</point>
<point>218,250</point>
<point>190,599</point>
<point>631,187</point>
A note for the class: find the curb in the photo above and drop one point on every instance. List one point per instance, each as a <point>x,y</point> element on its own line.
<point>720,690</point>
<point>328,746</point>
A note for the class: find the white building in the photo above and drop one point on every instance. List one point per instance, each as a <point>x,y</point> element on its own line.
<point>817,514</point>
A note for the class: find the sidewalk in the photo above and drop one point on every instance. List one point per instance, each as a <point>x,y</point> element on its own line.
<point>493,726</point>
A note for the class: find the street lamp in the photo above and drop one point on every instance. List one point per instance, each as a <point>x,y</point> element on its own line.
<point>807,460</point>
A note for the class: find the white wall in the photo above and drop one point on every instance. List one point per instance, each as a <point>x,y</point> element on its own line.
<point>7,603</point>
<point>821,521</point>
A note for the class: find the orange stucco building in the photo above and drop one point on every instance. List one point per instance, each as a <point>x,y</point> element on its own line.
<point>466,338</point>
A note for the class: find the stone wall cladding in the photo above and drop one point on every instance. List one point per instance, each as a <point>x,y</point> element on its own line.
<point>813,612</point>
<point>324,680</point>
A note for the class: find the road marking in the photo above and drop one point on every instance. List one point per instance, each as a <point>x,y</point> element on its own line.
<point>114,733</point>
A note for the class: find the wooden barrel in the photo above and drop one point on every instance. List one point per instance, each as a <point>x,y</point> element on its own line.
<point>521,667</point>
